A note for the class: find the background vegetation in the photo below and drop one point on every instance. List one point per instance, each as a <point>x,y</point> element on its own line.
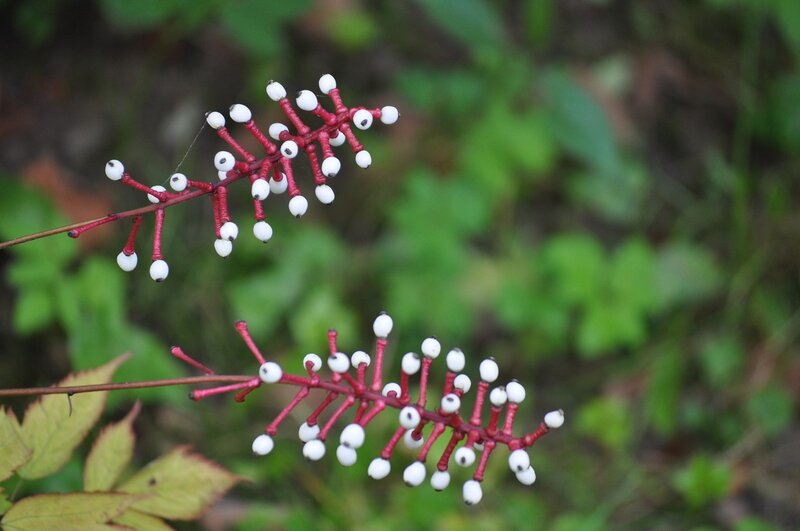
<point>600,194</point>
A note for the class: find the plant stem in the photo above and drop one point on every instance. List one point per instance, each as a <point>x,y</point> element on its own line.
<point>76,389</point>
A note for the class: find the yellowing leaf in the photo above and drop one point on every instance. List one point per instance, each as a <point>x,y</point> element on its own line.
<point>12,449</point>
<point>66,511</point>
<point>110,454</point>
<point>52,432</point>
<point>179,485</point>
<point>136,520</point>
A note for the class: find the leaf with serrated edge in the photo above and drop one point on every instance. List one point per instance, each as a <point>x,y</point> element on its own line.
<point>51,432</point>
<point>180,485</point>
<point>137,520</point>
<point>12,448</point>
<point>67,511</point>
<point>110,453</point>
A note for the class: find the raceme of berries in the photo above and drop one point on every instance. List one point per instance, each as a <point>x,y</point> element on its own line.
<point>270,174</point>
<point>348,386</point>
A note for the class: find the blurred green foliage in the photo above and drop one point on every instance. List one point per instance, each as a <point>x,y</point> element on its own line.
<point>600,195</point>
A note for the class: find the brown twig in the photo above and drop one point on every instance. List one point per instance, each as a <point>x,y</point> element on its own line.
<point>76,389</point>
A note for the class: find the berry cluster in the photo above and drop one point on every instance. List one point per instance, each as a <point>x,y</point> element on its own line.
<point>270,174</point>
<point>371,396</point>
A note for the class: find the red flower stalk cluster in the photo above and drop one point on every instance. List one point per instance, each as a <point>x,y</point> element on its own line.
<point>272,173</point>
<point>420,425</point>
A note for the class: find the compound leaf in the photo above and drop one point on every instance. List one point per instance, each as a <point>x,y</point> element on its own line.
<point>179,485</point>
<point>110,453</point>
<point>67,511</point>
<point>53,427</point>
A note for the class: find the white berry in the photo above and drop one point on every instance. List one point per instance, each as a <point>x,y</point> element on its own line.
<point>352,436</point>
<point>114,170</point>
<point>307,432</point>
<point>215,119</point>
<point>411,442</point>
<point>450,404</point>
<point>358,358</point>
<point>527,476</point>
<point>363,158</point>
<point>472,492</point>
<point>127,262</point>
<point>224,161</point>
<point>431,348</point>
<point>327,83</point>
<point>498,396</point>
<point>389,114</point>
<point>338,362</point>
<point>306,100</point>
<point>298,205</point>
<point>440,480</point>
<point>278,187</point>
<point>314,450</point>
<point>270,372</point>
<point>222,175</point>
<point>289,149</point>
<point>229,231</point>
<point>259,189</point>
<point>554,419</point>
<point>515,392</point>
<point>331,166</point>
<point>240,113</point>
<point>390,388</point>
<point>455,360</point>
<point>346,455</point>
<point>338,140</point>
<point>379,468</point>
<point>382,326</point>
<point>519,460</point>
<point>316,361</point>
<point>178,182</point>
<point>262,231</point>
<point>464,456</point>
<point>414,474</point>
<point>157,188</point>
<point>324,194</point>
<point>263,444</point>
<point>159,270</point>
<point>362,118</point>
<point>489,370</point>
<point>462,382</point>
<point>223,247</point>
<point>409,417</point>
<point>410,363</point>
<point>275,91</point>
<point>276,129</point>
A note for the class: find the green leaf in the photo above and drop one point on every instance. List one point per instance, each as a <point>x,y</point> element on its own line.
<point>576,264</point>
<point>632,272</point>
<point>606,420</point>
<point>179,485</point>
<point>34,310</point>
<point>52,431</point>
<point>663,392</point>
<point>617,196</point>
<point>110,453</point>
<point>579,124</point>
<point>476,23</point>
<point>137,520</point>
<point>85,511</point>
<point>142,13</point>
<point>607,324</point>
<point>771,409</point>
<point>320,311</point>
<point>702,481</point>
<point>12,448</point>
<point>5,503</point>
<point>685,273</point>
<point>722,360</point>
<point>257,25</point>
